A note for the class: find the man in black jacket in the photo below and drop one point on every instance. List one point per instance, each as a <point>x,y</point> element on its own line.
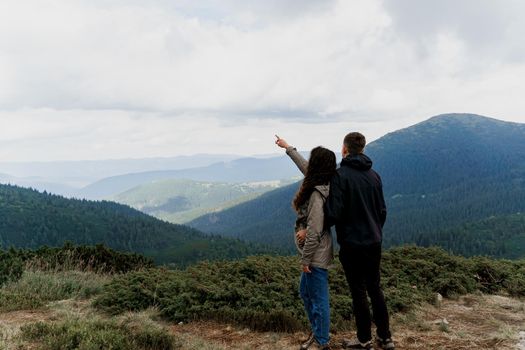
<point>357,208</point>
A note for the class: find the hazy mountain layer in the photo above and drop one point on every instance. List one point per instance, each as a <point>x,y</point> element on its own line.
<point>66,177</point>
<point>239,170</point>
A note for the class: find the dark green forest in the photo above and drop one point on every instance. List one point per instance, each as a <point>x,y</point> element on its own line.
<point>30,219</point>
<point>442,178</point>
<point>498,236</point>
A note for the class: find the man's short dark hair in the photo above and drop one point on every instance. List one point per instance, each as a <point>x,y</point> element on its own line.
<point>355,142</point>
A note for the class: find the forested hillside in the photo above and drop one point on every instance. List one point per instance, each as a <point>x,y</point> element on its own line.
<point>450,170</point>
<point>498,236</point>
<point>29,219</point>
<point>441,177</point>
<point>269,219</point>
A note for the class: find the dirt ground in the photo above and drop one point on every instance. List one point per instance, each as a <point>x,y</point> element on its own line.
<point>471,322</point>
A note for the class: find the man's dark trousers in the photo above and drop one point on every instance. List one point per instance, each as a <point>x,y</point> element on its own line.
<point>362,268</point>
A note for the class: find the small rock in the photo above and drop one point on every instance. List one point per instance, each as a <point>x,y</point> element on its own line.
<point>443,326</point>
<point>181,323</point>
<point>228,329</point>
<point>439,300</point>
<point>521,344</point>
<point>441,321</point>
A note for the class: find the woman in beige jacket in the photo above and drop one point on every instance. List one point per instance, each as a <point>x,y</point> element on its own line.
<point>313,239</point>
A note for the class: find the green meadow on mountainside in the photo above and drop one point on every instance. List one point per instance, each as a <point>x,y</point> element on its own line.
<point>180,200</point>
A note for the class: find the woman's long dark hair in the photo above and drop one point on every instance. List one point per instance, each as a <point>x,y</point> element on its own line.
<point>321,168</point>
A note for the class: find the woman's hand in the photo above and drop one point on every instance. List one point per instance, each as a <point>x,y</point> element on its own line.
<point>306,269</point>
<point>301,236</point>
<point>281,142</point>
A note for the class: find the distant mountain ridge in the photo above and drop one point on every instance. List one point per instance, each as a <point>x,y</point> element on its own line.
<point>438,175</point>
<point>446,149</point>
<point>238,170</point>
<point>65,177</point>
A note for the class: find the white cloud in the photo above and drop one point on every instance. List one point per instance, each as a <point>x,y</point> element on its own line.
<point>132,78</point>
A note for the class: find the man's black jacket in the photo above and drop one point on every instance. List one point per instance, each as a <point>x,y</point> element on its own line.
<point>356,204</point>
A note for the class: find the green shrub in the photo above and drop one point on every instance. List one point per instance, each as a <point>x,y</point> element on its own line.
<point>134,291</point>
<point>11,267</point>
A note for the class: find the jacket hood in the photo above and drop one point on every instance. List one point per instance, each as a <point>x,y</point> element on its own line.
<point>358,162</point>
<point>324,189</point>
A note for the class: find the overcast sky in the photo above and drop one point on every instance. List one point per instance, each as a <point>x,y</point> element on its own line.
<point>96,79</point>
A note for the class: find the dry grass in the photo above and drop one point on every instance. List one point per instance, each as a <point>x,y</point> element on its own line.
<point>11,322</point>
<point>474,322</point>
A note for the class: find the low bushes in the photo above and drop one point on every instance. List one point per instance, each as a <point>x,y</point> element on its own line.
<point>261,292</point>
<point>11,267</point>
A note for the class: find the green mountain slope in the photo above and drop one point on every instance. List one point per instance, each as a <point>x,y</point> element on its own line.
<point>269,219</point>
<point>29,219</point>
<point>438,175</point>
<point>180,201</point>
<point>450,170</point>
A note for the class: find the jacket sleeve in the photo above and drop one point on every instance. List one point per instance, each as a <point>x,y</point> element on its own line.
<point>334,206</point>
<point>314,227</point>
<point>382,209</point>
<point>298,159</point>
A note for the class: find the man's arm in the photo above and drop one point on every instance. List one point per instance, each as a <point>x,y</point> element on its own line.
<point>382,210</point>
<point>334,206</point>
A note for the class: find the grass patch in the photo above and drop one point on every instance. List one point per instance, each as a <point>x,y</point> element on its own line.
<point>36,288</point>
<point>98,258</point>
<point>133,332</point>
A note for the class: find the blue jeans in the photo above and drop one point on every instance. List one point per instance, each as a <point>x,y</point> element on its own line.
<point>314,292</point>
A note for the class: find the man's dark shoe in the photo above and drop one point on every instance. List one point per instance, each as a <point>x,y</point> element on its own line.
<point>385,344</point>
<point>356,344</point>
<point>308,342</point>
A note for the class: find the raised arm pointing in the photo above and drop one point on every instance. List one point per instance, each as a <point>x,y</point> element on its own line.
<point>297,158</point>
